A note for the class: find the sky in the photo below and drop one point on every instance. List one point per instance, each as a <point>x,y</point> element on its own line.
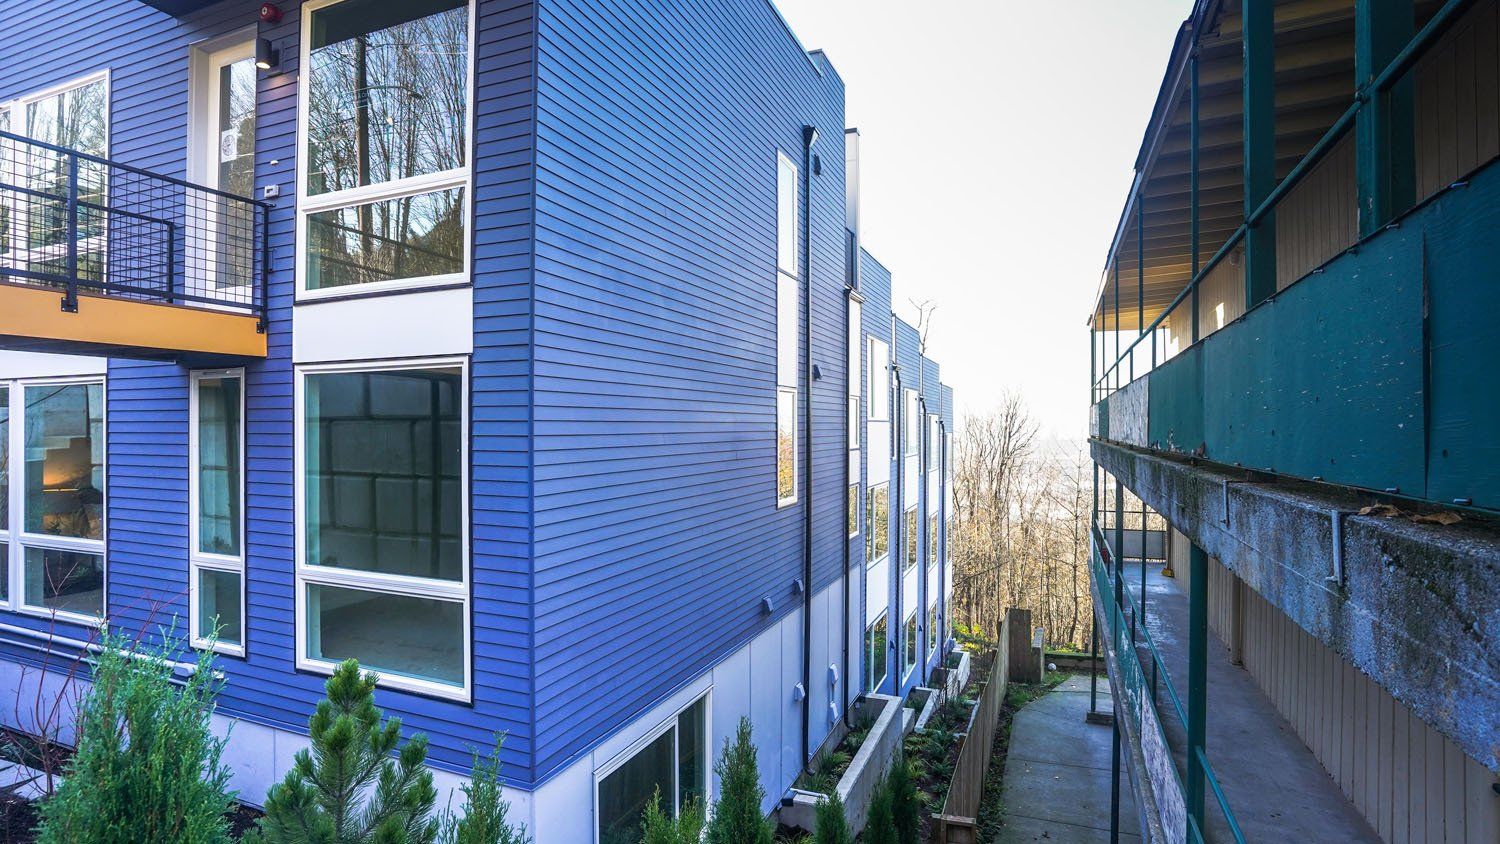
<point>996,145</point>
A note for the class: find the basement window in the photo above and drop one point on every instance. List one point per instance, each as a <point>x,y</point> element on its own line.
<point>671,761</point>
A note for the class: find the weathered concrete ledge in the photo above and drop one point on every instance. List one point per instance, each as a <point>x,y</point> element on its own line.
<point>1418,607</point>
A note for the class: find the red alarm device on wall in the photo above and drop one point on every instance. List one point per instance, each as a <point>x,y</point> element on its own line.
<point>269,13</point>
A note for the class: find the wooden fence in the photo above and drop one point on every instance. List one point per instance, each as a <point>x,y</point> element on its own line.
<point>958,822</point>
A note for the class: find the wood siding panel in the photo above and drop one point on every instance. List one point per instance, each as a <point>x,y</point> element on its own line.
<point>1410,782</point>
<point>1457,101</point>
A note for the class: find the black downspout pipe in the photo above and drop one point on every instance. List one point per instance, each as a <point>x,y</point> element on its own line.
<point>849,439</point>
<point>896,528</point>
<point>809,134</point>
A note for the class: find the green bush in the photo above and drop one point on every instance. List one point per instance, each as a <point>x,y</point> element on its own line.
<point>348,789</point>
<point>147,769</point>
<point>484,817</point>
<point>737,817</point>
<point>880,824</point>
<point>658,827</point>
<point>832,826</point>
<point>905,802</point>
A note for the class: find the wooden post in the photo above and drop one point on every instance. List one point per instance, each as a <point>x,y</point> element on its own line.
<point>1020,657</point>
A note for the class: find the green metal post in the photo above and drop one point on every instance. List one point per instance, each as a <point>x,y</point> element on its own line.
<point>1140,272</point>
<point>1197,707</point>
<point>1117,556</point>
<point>1260,147</point>
<point>1384,153</point>
<point>1117,319</point>
<point>1193,176</point>
<point>1093,365</point>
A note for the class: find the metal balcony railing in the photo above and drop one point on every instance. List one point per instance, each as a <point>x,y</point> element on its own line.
<point>78,222</point>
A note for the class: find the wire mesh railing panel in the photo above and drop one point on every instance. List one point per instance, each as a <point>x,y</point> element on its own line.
<point>76,222</point>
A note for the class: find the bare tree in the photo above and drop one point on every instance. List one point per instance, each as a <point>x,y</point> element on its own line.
<point>1021,526</point>
<point>925,310</point>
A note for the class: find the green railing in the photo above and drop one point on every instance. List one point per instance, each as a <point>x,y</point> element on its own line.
<point>1108,380</point>
<point>1136,692</point>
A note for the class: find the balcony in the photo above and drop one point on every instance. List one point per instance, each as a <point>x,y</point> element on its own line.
<point>101,258</point>
<point>1281,328</point>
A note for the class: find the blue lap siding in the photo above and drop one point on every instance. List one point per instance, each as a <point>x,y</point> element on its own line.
<point>657,532</point>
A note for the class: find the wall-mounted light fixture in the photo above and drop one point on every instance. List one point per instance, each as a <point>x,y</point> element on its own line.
<point>266,56</point>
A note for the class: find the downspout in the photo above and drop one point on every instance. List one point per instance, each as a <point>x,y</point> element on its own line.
<point>896,529</point>
<point>849,439</point>
<point>809,135</point>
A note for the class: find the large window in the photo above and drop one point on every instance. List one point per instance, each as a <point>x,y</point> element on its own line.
<point>382,560</point>
<point>932,625</point>
<point>385,175</point>
<point>52,497</point>
<point>787,334</point>
<point>877,657</point>
<point>877,519</point>
<point>671,761</point>
<point>217,500</point>
<point>34,229</point>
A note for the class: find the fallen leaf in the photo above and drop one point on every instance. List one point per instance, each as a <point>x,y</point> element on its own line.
<point>1386,510</point>
<point>1443,517</point>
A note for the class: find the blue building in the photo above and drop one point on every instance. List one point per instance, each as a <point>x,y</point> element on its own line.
<point>525,351</point>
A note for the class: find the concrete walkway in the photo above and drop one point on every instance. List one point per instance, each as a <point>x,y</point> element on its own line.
<point>1276,787</point>
<point>1057,771</point>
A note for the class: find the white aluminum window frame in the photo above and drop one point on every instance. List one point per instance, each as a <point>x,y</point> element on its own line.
<point>17,539</point>
<point>788,305</point>
<point>21,255</point>
<point>199,560</point>
<point>870,500</point>
<point>306,574</point>
<point>880,400</point>
<point>619,760</point>
<point>457,177</point>
<point>906,652</point>
<point>854,372</point>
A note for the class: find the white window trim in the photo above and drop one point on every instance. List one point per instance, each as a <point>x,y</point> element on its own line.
<point>201,560</point>
<point>917,636</point>
<point>17,539</point>
<point>870,348</point>
<point>454,591</point>
<point>21,255</point>
<point>204,60</point>
<point>782,502</point>
<point>669,723</point>
<point>870,498</point>
<point>458,177</point>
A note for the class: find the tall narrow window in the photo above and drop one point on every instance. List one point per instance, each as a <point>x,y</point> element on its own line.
<point>912,418</point>
<point>909,529</point>
<point>932,539</point>
<point>670,764</point>
<point>911,643</point>
<point>877,518</point>
<point>217,496</point>
<point>382,564</point>
<point>5,543</point>
<point>854,371</point>
<point>787,335</point>
<point>932,625</point>
<point>880,375</point>
<point>877,657</point>
<point>224,158</point>
<point>385,95</point>
<point>57,549</point>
